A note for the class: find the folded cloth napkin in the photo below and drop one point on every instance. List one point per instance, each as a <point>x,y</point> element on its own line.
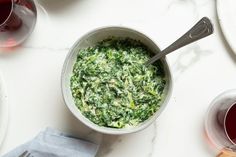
<point>52,143</point>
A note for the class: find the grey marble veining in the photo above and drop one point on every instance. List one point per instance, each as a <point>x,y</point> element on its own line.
<point>153,140</point>
<point>187,58</point>
<point>46,48</point>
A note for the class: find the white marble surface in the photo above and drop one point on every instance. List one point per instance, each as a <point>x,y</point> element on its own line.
<point>3,110</point>
<point>201,71</point>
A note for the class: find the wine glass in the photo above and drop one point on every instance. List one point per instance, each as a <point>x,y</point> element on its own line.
<point>218,126</point>
<point>17,21</point>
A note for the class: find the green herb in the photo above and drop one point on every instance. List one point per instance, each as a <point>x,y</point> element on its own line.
<point>111,85</point>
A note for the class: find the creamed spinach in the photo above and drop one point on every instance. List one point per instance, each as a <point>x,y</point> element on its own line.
<point>112,87</point>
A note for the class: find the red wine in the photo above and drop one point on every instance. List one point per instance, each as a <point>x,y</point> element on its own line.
<point>17,21</point>
<point>230,123</point>
<point>5,10</point>
<point>220,122</point>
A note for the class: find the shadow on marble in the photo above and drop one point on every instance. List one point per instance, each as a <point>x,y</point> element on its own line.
<point>76,128</point>
<point>107,144</point>
<point>228,48</point>
<point>54,6</point>
<point>127,145</point>
<point>187,58</point>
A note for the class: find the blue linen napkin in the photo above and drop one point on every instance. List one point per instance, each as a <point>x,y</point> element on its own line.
<point>52,143</point>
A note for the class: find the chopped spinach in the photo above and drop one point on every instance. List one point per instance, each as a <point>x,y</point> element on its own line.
<point>112,87</point>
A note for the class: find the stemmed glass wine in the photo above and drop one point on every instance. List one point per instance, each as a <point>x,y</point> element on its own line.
<point>17,21</point>
<point>220,123</point>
